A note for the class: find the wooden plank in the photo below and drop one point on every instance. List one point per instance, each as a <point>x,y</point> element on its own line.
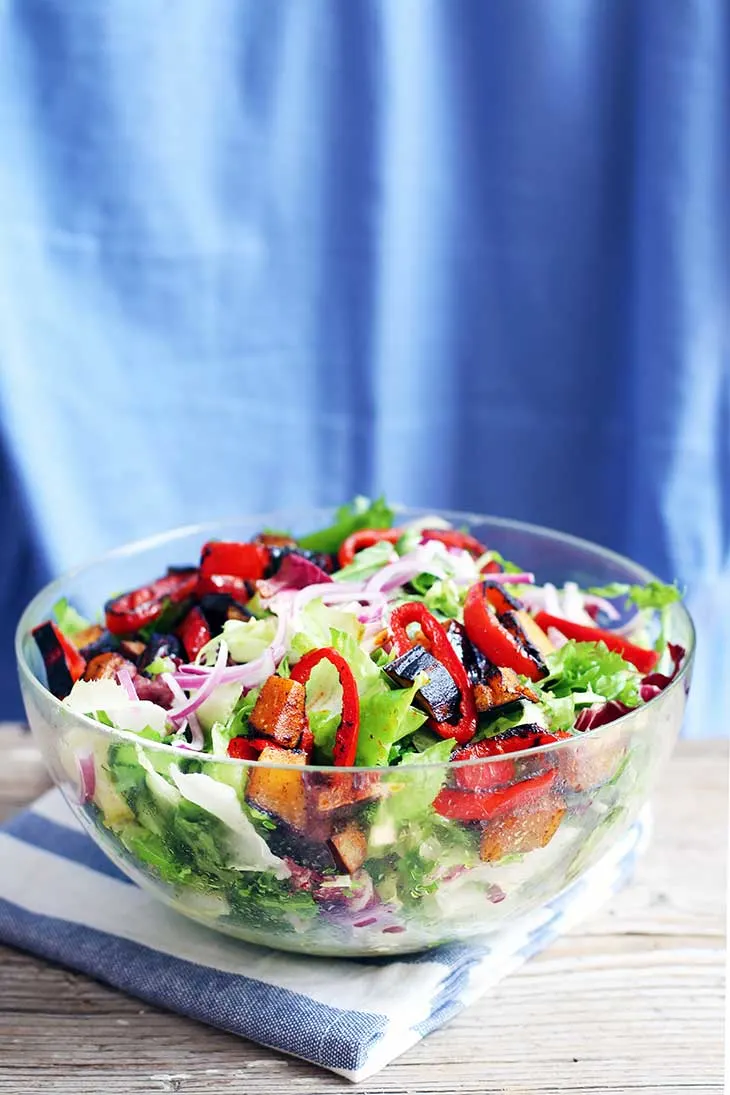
<point>631,1002</point>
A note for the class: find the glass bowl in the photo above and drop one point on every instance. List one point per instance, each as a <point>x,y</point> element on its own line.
<point>350,861</point>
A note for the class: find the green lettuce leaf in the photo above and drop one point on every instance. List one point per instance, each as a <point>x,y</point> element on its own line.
<point>414,795</point>
<point>590,668</point>
<point>360,513</point>
<point>69,621</point>
<point>247,639</point>
<point>445,598</point>
<point>317,623</point>
<point>366,563</point>
<point>385,717</point>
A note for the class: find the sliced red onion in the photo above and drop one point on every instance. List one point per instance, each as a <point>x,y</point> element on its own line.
<point>551,601</point>
<point>398,574</point>
<point>590,600</point>
<point>248,675</point>
<point>556,637</point>
<point>526,577</point>
<point>87,776</point>
<point>572,605</point>
<point>207,687</point>
<point>197,737</point>
<point>125,679</point>
<point>174,687</point>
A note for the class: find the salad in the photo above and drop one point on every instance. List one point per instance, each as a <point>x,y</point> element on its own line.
<point>395,689</point>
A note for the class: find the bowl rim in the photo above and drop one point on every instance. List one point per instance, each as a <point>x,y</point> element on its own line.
<point>136,547</point>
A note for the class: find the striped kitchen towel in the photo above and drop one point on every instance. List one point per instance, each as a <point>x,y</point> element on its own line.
<point>60,897</point>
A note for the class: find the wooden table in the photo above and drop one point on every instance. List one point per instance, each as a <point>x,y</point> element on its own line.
<point>631,1002</point>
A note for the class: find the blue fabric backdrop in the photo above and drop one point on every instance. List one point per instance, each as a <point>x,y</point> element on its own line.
<point>467,252</point>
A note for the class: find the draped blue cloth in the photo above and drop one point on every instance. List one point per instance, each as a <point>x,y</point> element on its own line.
<point>465,252</point>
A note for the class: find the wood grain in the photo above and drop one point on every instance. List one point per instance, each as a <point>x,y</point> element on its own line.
<point>630,1002</point>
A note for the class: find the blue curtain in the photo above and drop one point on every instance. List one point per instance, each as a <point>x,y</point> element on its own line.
<point>466,252</point>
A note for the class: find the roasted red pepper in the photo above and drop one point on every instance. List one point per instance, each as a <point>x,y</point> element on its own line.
<point>484,806</point>
<point>227,567</point>
<point>64,664</point>
<point>242,749</point>
<point>345,747</point>
<point>488,633</point>
<point>644,660</point>
<point>365,538</point>
<point>452,538</point>
<point>443,652</point>
<point>194,632</point>
<point>485,776</point>
<point>128,613</point>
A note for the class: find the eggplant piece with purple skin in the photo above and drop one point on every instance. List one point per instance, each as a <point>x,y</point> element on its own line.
<point>478,667</point>
<point>439,696</point>
<point>105,644</point>
<point>161,646</point>
<point>219,607</point>
<point>58,656</point>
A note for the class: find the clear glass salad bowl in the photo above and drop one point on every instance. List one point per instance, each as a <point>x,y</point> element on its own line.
<point>421,878</point>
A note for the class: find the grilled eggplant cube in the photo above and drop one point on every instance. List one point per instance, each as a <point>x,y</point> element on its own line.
<point>439,696</point>
<point>279,712</point>
<point>280,792</point>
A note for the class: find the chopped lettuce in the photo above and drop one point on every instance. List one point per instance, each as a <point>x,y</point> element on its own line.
<point>247,639</point>
<point>366,563</point>
<point>496,557</point>
<point>445,598</point>
<point>590,668</point>
<point>385,717</point>
<point>248,851</point>
<point>360,513</point>
<point>219,706</point>
<point>653,595</point>
<point>69,621</point>
<point>317,622</point>
<point>505,718</point>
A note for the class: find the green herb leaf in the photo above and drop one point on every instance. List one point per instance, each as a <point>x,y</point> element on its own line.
<point>360,513</point>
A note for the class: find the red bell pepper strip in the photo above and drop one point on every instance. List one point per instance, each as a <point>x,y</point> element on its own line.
<point>133,610</point>
<point>477,777</point>
<point>478,806</point>
<point>644,660</point>
<point>452,538</point>
<point>242,749</point>
<point>487,633</point>
<point>443,652</point>
<point>345,747</point>
<point>194,632</point>
<point>226,567</point>
<point>237,588</point>
<point>365,538</point>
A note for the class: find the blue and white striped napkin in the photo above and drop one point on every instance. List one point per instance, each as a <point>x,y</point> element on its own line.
<point>60,897</point>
